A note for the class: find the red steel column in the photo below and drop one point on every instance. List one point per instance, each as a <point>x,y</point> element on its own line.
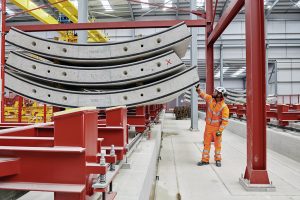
<point>256,170</point>
<point>45,113</point>
<point>3,26</point>
<point>209,50</point>
<point>20,108</point>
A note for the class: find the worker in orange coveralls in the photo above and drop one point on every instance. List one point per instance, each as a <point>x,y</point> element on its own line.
<point>217,115</point>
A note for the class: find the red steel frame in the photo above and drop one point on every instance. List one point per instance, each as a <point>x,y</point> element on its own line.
<point>63,158</point>
<point>256,171</point>
<point>3,27</point>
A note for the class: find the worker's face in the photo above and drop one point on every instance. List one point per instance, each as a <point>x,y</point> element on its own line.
<point>217,95</point>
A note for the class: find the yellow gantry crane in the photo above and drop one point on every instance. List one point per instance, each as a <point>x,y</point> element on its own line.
<point>66,7</point>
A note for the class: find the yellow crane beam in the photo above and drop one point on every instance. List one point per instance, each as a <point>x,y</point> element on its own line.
<point>46,18</point>
<point>70,11</point>
<point>39,14</point>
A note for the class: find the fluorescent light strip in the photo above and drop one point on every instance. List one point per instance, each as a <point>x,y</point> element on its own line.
<point>168,3</point>
<point>75,3</point>
<point>8,10</point>
<point>200,3</point>
<point>106,5</point>
<point>218,73</point>
<point>240,71</point>
<point>144,5</point>
<point>298,4</point>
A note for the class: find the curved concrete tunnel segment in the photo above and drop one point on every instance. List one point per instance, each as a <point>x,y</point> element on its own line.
<point>159,91</point>
<point>176,38</point>
<point>106,76</point>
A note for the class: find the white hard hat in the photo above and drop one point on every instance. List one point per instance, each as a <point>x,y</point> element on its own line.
<point>221,90</point>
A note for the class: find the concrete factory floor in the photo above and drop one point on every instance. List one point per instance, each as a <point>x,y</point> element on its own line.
<point>180,177</point>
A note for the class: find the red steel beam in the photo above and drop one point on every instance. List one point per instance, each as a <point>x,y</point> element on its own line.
<point>256,170</point>
<point>108,25</point>
<point>3,7</point>
<point>20,108</point>
<point>209,49</point>
<point>233,9</point>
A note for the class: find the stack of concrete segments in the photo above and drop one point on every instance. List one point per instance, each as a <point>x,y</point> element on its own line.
<point>187,97</point>
<point>138,72</point>
<point>236,96</point>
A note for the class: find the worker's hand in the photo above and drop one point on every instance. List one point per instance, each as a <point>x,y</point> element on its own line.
<point>198,88</point>
<point>218,133</point>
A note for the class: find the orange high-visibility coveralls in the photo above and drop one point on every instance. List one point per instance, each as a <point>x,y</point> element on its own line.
<point>217,115</point>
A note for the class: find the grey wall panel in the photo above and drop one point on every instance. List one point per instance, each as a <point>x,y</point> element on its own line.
<point>276,27</point>
<point>231,83</point>
<point>277,52</point>
<point>162,65</point>
<point>295,75</point>
<point>293,26</point>
<point>296,88</point>
<point>284,75</point>
<point>284,89</point>
<point>154,92</point>
<point>293,52</point>
<point>176,38</point>
<point>233,53</point>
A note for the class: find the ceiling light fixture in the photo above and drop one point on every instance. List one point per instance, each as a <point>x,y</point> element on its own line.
<point>8,10</point>
<point>218,73</point>
<point>144,4</point>
<point>75,3</point>
<point>106,5</point>
<point>200,3</point>
<point>298,4</point>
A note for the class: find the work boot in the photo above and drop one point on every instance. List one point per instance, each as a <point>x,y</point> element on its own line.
<point>218,163</point>
<point>201,163</point>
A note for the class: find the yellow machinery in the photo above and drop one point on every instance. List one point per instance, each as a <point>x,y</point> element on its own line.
<point>67,8</point>
<point>32,111</point>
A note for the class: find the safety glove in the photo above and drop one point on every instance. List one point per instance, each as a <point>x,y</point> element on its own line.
<point>197,88</point>
<point>218,133</point>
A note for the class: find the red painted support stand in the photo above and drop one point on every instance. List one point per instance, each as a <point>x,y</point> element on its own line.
<point>241,111</point>
<point>285,114</point>
<point>114,130</point>
<point>63,159</point>
<point>256,170</point>
<point>137,118</point>
<point>154,111</point>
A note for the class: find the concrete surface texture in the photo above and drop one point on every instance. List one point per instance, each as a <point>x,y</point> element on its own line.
<point>155,92</point>
<point>176,38</point>
<point>136,183</point>
<point>181,178</point>
<point>104,76</point>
